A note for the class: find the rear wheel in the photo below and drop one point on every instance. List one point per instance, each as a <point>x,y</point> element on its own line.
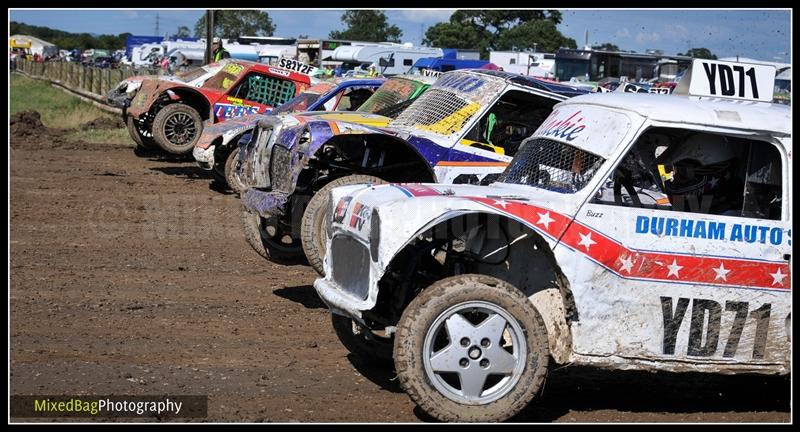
<point>313,228</point>
<point>471,348</point>
<point>270,239</point>
<point>177,128</point>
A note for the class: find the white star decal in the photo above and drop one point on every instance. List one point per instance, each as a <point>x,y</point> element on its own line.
<point>545,219</point>
<point>714,181</point>
<point>674,268</point>
<point>499,203</point>
<point>627,264</point>
<point>777,277</point>
<point>586,240</point>
<point>722,272</point>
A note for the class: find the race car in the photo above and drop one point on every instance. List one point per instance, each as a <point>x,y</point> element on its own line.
<point>476,291</point>
<point>464,129</point>
<point>217,148</point>
<point>172,112</point>
<point>266,235</point>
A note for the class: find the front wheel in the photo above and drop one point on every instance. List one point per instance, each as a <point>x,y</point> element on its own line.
<point>360,341</point>
<point>313,228</point>
<point>177,128</point>
<point>471,348</point>
<point>268,237</point>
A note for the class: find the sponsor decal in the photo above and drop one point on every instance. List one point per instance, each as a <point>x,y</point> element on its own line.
<point>226,111</point>
<point>359,216</point>
<point>464,83</point>
<point>278,72</point>
<point>708,230</point>
<point>233,69</point>
<point>341,209</point>
<point>559,125</point>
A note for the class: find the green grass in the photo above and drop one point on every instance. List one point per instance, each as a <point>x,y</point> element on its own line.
<point>61,110</point>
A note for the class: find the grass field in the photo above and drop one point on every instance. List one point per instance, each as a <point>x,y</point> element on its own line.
<point>61,110</point>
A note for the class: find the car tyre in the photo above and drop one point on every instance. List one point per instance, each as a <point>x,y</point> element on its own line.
<point>177,127</point>
<point>442,330</point>
<point>313,227</point>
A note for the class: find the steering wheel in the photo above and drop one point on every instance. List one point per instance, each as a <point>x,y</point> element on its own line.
<point>510,140</point>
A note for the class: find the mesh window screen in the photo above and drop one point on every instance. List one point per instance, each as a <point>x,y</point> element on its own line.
<point>268,90</point>
<point>439,111</point>
<point>552,165</point>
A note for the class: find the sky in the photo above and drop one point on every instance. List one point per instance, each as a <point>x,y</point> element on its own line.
<point>767,33</point>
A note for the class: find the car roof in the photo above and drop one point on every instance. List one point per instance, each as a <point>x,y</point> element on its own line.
<point>424,79</point>
<point>738,114</point>
<point>528,81</point>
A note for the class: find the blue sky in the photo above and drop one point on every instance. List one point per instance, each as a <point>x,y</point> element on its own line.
<point>760,34</point>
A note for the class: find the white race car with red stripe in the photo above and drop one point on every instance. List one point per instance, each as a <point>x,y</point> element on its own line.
<point>474,290</point>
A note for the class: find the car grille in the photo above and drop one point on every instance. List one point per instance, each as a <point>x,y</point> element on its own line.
<point>350,265</point>
<point>254,159</point>
<point>280,169</point>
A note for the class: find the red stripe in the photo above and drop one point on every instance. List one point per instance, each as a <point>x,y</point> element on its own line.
<point>649,265</point>
<point>418,190</point>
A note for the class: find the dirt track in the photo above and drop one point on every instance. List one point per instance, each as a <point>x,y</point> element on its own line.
<point>132,276</point>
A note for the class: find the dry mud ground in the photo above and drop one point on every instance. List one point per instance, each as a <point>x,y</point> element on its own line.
<point>131,275</point>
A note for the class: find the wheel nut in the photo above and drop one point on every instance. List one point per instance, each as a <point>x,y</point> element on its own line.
<point>485,343</point>
<point>463,362</point>
<point>464,342</point>
<point>484,363</point>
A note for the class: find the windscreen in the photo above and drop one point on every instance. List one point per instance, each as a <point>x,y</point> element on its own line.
<point>392,92</point>
<point>552,165</point>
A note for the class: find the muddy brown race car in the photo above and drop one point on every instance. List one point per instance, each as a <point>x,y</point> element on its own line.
<point>172,112</point>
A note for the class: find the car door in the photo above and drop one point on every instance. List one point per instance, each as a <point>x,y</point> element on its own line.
<point>667,273</point>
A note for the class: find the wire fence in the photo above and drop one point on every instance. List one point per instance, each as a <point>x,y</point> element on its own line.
<point>93,82</point>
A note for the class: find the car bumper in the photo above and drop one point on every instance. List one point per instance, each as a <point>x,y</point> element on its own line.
<point>336,299</point>
<point>119,99</point>
<point>265,203</point>
<point>204,157</point>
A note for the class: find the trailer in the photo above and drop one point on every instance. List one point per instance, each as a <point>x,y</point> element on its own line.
<point>390,59</point>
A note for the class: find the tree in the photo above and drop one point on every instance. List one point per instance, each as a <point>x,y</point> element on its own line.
<point>448,35</point>
<point>703,53</point>
<point>499,29</point>
<point>231,24</point>
<point>367,25</point>
<point>541,32</point>
<point>607,46</point>
<point>183,32</point>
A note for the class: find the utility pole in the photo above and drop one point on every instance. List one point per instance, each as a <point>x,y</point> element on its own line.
<point>157,24</point>
<point>209,35</point>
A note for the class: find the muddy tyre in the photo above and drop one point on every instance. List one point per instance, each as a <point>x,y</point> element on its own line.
<point>313,227</point>
<point>177,128</point>
<point>266,237</point>
<point>229,169</point>
<point>471,348</point>
<point>144,140</point>
<point>359,340</point>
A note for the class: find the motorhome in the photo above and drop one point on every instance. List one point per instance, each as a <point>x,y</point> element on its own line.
<point>525,63</point>
<point>389,59</point>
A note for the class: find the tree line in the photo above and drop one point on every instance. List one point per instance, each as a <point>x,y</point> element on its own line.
<point>484,30</point>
